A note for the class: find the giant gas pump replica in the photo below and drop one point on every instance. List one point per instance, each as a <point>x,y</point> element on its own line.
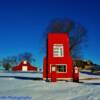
<point>58,63</point>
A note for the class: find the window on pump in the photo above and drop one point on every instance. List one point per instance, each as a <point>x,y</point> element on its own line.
<point>61,68</point>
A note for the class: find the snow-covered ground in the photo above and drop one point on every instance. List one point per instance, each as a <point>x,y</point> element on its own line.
<point>41,90</point>
<point>21,74</point>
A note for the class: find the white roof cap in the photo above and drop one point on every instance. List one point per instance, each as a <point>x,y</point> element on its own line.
<point>25,62</point>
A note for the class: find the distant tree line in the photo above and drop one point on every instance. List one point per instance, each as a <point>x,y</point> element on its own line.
<point>87,65</point>
<point>82,64</point>
<point>11,61</point>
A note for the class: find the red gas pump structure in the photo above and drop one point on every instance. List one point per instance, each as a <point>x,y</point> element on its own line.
<point>75,74</point>
<point>58,64</point>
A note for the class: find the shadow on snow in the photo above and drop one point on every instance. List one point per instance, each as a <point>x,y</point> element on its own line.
<point>22,78</point>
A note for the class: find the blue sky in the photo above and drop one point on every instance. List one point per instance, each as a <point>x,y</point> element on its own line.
<point>23,22</point>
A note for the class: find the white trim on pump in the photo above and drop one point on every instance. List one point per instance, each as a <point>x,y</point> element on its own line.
<point>69,79</point>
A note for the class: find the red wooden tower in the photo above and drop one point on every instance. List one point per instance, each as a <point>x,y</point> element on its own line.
<point>58,62</point>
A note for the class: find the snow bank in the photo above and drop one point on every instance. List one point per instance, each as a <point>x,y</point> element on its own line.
<point>41,90</point>
<point>19,74</point>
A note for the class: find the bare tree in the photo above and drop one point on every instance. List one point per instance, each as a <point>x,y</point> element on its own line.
<point>11,61</point>
<point>6,63</point>
<point>26,56</point>
<point>76,32</point>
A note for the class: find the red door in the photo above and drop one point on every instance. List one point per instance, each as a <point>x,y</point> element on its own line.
<point>53,73</point>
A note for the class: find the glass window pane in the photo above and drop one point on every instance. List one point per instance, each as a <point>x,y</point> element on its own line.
<point>58,50</point>
<point>61,68</point>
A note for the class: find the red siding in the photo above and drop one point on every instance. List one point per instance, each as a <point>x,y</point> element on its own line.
<point>54,38</point>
